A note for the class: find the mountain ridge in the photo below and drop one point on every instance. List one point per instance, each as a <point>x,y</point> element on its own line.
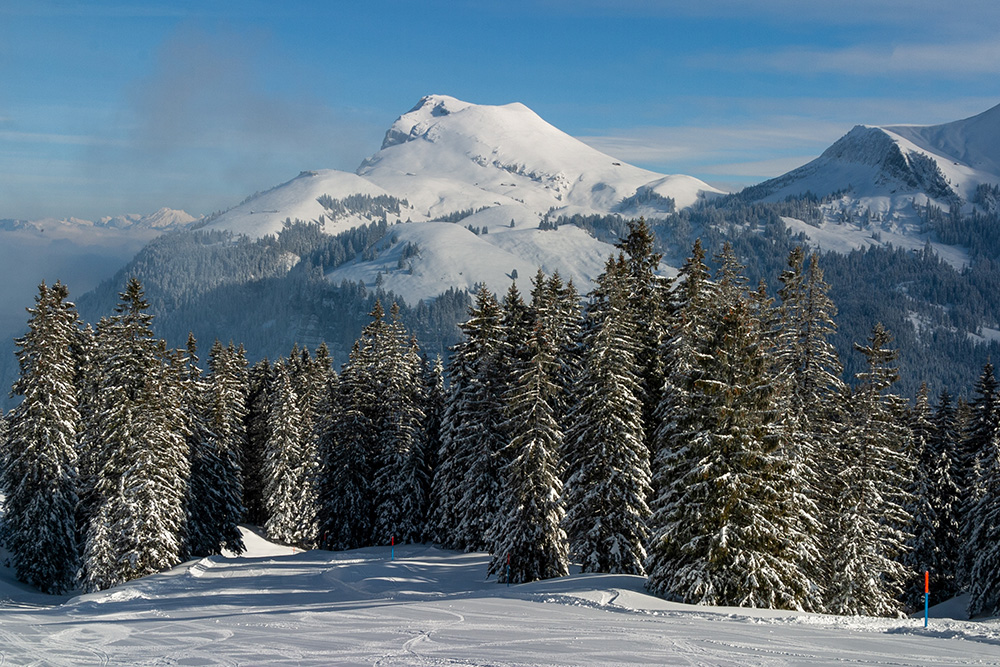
<point>889,169</point>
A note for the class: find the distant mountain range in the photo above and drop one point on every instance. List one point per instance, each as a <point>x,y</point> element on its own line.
<point>486,194</point>
<point>78,229</point>
<point>499,172</point>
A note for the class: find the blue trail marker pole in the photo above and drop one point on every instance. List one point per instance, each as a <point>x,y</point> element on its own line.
<point>927,595</point>
<point>392,545</point>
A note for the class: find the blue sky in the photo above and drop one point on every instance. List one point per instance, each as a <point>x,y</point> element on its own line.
<point>123,107</point>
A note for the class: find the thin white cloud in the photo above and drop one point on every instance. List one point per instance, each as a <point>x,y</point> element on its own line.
<point>951,59</point>
<point>960,17</point>
<point>759,169</point>
<point>59,139</point>
<point>703,146</point>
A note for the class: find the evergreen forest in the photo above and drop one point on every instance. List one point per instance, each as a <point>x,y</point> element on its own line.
<point>703,432</point>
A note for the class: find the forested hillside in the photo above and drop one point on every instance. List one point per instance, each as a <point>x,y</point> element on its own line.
<point>694,430</point>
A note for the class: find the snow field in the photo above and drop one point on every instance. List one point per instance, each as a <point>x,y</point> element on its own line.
<point>430,607</point>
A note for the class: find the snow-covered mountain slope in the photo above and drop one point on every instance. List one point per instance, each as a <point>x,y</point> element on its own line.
<point>421,606</point>
<point>452,256</point>
<point>886,170</point>
<point>878,180</point>
<point>506,154</point>
<point>299,199</point>
<point>499,169</point>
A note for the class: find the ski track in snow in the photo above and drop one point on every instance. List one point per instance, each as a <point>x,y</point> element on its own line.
<point>433,608</point>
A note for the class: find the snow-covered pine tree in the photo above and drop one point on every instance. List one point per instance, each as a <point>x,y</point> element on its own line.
<point>605,459</point>
<point>482,433</point>
<point>288,490</point>
<point>348,449</point>
<point>39,475</point>
<point>649,309</point>
<point>982,435</point>
<point>922,553</point>
<point>727,522</point>
<point>139,523</point>
<point>685,343</point>
<point>805,354</point>
<point>529,541</point>
<point>311,381</point>
<point>90,439</point>
<point>516,323</point>
<point>435,396</point>
<point>459,422</point>
<point>227,409</point>
<point>400,475</point>
<point>206,482</point>
<point>564,325</point>
<point>258,432</point>
<point>944,442</point>
<point>447,485</point>
<point>984,536</point>
<point>870,495</point>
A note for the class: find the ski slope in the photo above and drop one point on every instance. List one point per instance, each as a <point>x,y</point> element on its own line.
<point>430,607</point>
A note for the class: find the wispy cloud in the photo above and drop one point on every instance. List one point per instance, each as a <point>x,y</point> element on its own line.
<point>58,139</point>
<point>753,139</point>
<point>210,91</point>
<point>951,59</point>
<point>214,110</point>
<point>960,16</point>
<point>761,149</point>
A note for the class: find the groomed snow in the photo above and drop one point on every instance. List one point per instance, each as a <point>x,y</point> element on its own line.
<point>430,607</point>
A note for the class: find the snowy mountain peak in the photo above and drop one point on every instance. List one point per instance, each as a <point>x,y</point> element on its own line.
<point>972,142</point>
<point>165,218</point>
<point>886,169</point>
<point>497,171</point>
<point>894,161</point>
<point>413,122</point>
<point>499,155</point>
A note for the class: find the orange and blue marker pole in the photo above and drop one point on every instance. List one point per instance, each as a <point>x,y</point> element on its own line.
<point>392,545</point>
<point>927,595</point>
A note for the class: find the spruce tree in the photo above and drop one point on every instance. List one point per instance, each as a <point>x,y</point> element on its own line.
<point>923,553</point>
<point>227,404</point>
<point>206,482</point>
<point>257,434</point>
<point>984,537</point>
<point>684,345</point>
<point>401,475</point>
<point>563,322</point>
<point>804,353</point>
<point>606,461</point>
<point>435,397</point>
<point>529,541</point>
<point>943,445</point>
<point>982,436</point>
<point>649,309</point>
<point>139,522</point>
<point>39,475</point>
<point>475,430</point>
<point>349,448</point>
<point>870,495</point>
<point>727,520</point>
<point>288,469</point>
